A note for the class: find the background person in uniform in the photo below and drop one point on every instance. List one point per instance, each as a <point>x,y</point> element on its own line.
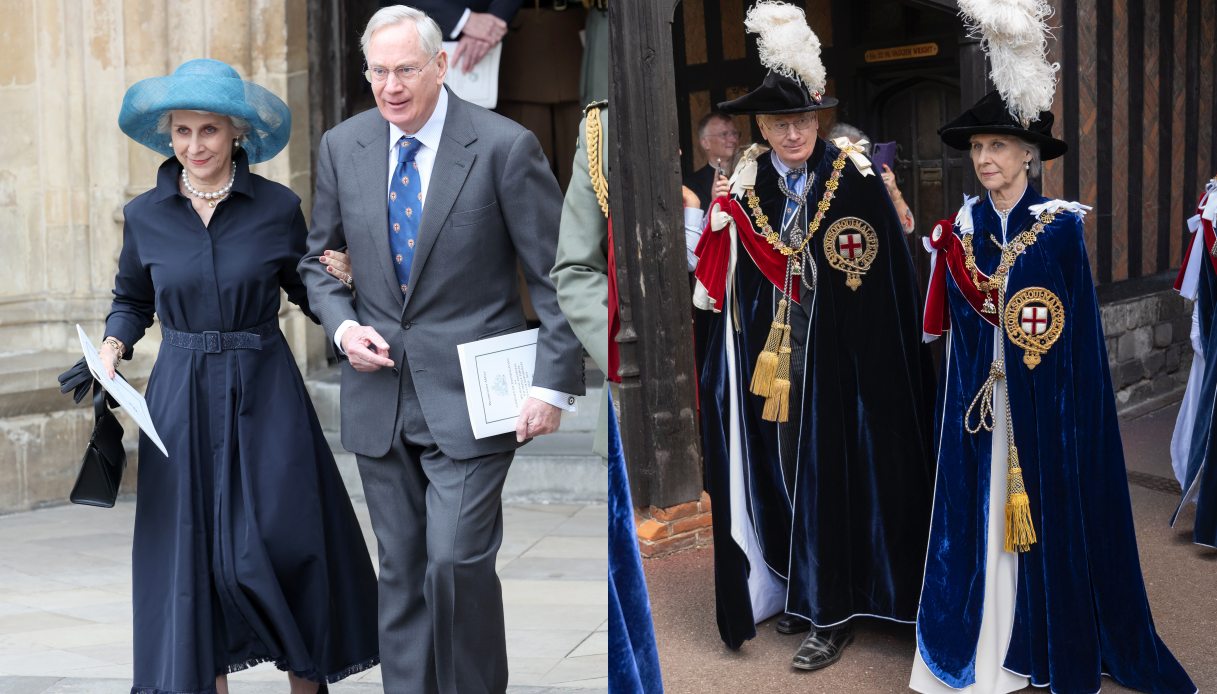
<point>435,200</point>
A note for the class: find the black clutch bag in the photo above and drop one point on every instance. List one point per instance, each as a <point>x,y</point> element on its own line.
<point>101,470</point>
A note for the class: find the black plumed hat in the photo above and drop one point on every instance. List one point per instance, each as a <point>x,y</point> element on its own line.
<point>991,116</point>
<point>777,94</point>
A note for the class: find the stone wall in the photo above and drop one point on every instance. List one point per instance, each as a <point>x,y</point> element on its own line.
<point>66,170</point>
<point>1148,347</point>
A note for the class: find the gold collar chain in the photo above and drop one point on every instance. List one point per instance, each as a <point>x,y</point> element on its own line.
<point>1010,253</point>
<point>773,237</point>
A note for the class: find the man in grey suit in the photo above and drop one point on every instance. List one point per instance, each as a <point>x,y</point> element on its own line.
<point>434,272</point>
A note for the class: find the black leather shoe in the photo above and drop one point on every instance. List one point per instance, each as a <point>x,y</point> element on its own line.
<point>822,648</point>
<point>791,624</point>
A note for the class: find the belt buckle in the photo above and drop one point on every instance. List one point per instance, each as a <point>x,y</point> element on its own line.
<point>211,341</point>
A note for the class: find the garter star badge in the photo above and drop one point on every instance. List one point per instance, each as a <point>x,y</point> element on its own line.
<point>850,245</point>
<point>1035,318</point>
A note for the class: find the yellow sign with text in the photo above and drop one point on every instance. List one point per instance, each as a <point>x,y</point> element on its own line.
<point>911,52</point>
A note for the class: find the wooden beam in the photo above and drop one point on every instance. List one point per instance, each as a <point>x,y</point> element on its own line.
<point>658,392</point>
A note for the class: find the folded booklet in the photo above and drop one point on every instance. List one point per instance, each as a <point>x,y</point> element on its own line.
<point>497,373</point>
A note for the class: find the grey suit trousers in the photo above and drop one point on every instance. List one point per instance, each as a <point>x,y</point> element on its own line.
<point>439,526</point>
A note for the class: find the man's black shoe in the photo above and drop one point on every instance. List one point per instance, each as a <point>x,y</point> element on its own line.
<point>791,624</point>
<point>822,648</point>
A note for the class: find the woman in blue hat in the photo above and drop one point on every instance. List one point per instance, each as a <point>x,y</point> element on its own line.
<point>247,549</point>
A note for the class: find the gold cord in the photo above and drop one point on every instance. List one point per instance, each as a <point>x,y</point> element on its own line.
<point>1009,254</point>
<point>593,131</point>
<point>773,237</point>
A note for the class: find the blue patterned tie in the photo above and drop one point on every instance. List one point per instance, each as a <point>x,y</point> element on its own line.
<point>792,184</point>
<point>405,209</point>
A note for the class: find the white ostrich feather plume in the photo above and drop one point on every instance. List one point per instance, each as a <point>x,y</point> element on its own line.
<point>787,44</point>
<point>1014,35</point>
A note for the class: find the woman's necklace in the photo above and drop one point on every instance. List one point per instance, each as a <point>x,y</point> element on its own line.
<point>1009,254</point>
<point>214,196</point>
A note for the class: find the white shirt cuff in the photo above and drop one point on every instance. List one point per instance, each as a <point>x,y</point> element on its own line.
<point>456,31</point>
<point>694,221</point>
<point>564,401</point>
<point>342,328</point>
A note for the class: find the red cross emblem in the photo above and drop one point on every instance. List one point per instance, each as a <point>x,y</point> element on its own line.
<point>850,245</point>
<point>1034,320</point>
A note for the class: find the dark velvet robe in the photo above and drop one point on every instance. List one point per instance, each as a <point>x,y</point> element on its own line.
<point>633,657</point>
<point>1081,608</point>
<point>841,506</point>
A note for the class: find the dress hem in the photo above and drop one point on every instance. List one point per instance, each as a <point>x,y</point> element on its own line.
<point>310,675</point>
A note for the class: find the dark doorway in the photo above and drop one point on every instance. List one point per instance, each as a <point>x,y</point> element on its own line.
<point>930,175</point>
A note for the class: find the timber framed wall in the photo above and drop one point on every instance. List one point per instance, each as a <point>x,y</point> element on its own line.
<point>1135,100</point>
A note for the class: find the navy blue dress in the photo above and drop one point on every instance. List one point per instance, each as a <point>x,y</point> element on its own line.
<point>246,547</point>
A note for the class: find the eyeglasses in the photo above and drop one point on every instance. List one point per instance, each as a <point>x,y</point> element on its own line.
<point>801,124</point>
<point>405,74</point>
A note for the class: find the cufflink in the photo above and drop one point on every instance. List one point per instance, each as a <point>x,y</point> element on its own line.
<point>570,400</point>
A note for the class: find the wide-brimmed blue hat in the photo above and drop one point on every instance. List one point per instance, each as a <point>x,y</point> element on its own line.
<point>206,85</point>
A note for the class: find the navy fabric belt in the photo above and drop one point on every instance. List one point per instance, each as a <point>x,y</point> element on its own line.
<point>214,341</point>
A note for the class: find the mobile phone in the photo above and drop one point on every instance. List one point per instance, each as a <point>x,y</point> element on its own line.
<point>883,153</point>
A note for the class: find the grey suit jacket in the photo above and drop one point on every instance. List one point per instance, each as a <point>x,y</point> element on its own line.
<point>491,200</point>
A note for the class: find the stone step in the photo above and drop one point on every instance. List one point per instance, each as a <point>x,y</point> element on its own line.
<point>558,468</point>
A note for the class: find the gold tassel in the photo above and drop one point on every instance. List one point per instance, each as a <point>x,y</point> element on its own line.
<point>777,405</point>
<point>1020,532</point>
<point>767,362</point>
<point>766,367</point>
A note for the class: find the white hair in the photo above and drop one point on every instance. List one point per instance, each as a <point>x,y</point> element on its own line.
<point>242,127</point>
<point>840,129</point>
<point>430,38</point>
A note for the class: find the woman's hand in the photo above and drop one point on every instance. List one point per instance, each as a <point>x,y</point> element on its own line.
<point>722,187</point>
<point>338,264</point>
<point>110,353</point>
<point>889,180</point>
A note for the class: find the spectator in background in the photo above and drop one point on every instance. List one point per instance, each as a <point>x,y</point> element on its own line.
<point>476,25</point>
<point>718,138</point>
<point>889,177</point>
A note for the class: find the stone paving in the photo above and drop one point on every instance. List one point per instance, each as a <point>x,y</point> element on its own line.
<point>65,609</point>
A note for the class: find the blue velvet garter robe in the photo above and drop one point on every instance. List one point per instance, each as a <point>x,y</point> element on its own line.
<point>1076,607</point>
<point>1194,444</point>
<point>246,546</point>
<point>824,516</point>
<point>633,658</point>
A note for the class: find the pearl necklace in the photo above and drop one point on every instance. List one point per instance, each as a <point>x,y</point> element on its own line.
<point>215,196</point>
